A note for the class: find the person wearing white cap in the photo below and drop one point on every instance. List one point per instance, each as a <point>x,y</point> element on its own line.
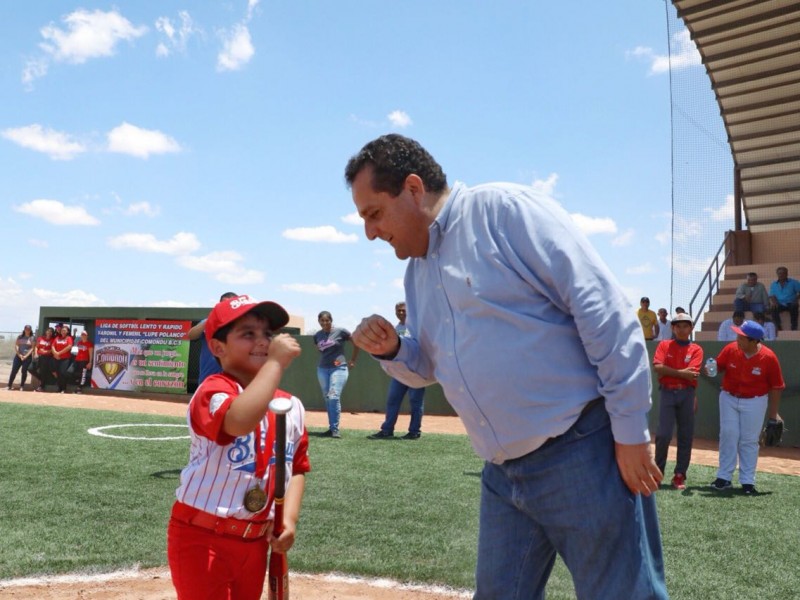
<point>677,362</point>
<point>752,383</point>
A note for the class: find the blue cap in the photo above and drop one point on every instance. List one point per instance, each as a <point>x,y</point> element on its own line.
<point>750,329</point>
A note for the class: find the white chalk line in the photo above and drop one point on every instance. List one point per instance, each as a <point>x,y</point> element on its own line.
<point>138,574</point>
<point>100,431</point>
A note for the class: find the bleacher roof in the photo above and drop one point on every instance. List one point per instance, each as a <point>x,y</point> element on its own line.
<point>751,51</point>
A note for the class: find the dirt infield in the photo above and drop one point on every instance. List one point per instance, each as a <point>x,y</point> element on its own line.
<point>156,585</point>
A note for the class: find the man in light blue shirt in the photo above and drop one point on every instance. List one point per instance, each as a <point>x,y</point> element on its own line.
<point>540,353</point>
<point>209,365</point>
<point>783,295</point>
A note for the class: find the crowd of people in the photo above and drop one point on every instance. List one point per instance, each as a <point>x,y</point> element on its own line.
<point>53,358</point>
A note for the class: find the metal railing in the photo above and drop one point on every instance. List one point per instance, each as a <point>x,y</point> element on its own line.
<point>711,279</point>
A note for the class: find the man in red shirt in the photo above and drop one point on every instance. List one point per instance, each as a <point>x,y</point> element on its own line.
<point>752,384</point>
<point>677,363</point>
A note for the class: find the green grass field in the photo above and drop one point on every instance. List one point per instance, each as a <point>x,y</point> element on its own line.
<point>403,510</point>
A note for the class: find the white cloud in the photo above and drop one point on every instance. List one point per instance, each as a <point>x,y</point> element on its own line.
<point>88,35</point>
<point>68,298</point>
<point>175,37</point>
<point>592,225</point>
<point>37,243</point>
<point>684,54</point>
<point>142,208</point>
<point>724,212</point>
<point>353,219</point>
<point>138,142</point>
<point>314,288</point>
<point>224,266</point>
<point>57,213</point>
<point>57,145</point>
<point>237,49</point>
<point>398,283</point>
<point>545,187</point>
<point>639,269</point>
<point>399,118</point>
<point>325,233</point>
<point>623,239</point>
<point>34,69</point>
<point>180,243</point>
<point>251,7</point>
<point>364,122</point>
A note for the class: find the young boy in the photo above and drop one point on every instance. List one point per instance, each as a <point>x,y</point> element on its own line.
<point>677,363</point>
<point>221,524</point>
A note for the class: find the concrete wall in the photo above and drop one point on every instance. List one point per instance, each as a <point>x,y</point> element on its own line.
<point>775,246</point>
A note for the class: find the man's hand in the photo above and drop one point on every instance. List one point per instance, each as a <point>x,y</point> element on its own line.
<point>376,335</point>
<point>637,468</point>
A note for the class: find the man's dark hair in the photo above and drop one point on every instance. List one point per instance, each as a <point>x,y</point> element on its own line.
<point>738,313</point>
<point>227,295</point>
<point>394,157</point>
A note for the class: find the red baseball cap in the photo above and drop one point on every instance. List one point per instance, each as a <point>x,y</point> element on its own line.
<point>229,310</point>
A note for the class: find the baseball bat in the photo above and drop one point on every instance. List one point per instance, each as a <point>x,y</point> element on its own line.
<point>278,571</point>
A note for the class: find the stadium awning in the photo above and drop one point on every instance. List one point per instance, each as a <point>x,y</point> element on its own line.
<point>751,51</point>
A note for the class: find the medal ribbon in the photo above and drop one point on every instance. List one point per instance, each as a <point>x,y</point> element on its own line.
<point>263,456</point>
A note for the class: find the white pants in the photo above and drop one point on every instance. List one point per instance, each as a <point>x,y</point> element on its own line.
<point>740,422</point>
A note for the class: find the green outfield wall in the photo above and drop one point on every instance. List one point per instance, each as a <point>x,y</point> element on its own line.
<point>368,385</point>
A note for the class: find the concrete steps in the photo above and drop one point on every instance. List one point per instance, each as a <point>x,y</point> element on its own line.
<point>783,336</point>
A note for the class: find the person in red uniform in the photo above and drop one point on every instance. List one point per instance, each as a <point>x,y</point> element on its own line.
<point>83,360</point>
<point>752,383</point>
<point>221,524</point>
<point>62,353</point>
<point>43,356</point>
<point>677,362</point>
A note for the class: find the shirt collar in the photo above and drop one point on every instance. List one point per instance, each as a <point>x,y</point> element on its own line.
<point>437,229</point>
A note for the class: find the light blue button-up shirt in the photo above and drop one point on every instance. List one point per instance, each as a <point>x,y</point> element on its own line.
<point>785,294</point>
<point>517,317</point>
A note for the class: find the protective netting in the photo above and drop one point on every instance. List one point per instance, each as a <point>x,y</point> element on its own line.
<point>702,168</point>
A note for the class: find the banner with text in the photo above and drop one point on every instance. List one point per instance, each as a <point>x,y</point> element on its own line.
<point>141,356</point>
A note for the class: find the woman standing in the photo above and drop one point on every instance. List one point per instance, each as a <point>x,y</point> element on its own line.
<point>23,356</point>
<point>43,352</point>
<point>332,370</point>
<point>62,353</point>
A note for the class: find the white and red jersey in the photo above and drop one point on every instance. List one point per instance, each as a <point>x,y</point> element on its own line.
<point>222,468</point>
<point>44,347</point>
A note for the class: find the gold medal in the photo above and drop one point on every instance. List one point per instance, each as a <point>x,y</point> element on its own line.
<point>255,499</point>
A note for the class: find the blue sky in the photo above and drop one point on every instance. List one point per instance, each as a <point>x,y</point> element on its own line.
<point>161,153</point>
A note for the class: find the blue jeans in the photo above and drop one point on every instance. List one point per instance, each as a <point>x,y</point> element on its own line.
<point>397,391</point>
<point>567,497</point>
<point>743,305</point>
<point>331,381</point>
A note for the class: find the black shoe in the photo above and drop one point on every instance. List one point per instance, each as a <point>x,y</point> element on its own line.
<point>749,489</point>
<point>411,436</point>
<point>381,435</point>
<point>335,434</point>
<point>720,484</point>
<point>328,433</point>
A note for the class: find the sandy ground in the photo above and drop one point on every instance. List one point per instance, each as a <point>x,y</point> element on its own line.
<point>156,584</point>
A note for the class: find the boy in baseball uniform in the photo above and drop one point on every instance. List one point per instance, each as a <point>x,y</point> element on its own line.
<point>221,524</point>
<point>752,384</point>
<point>677,363</point>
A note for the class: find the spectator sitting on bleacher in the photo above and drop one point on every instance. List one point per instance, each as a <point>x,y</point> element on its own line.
<point>751,295</point>
<point>726,334</point>
<point>783,296</point>
<point>769,327</point>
